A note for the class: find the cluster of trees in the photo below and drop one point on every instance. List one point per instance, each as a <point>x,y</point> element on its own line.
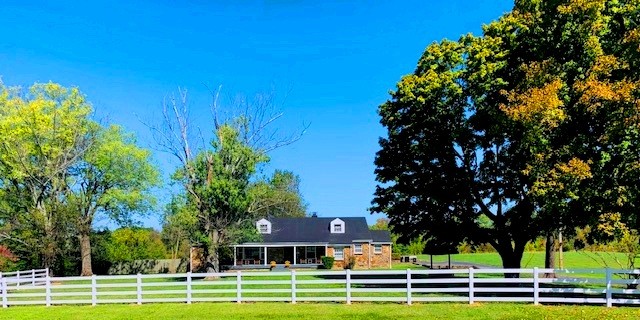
<point>529,129</point>
<point>60,170</point>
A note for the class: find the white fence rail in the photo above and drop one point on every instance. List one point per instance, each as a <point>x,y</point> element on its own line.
<point>594,286</point>
<point>28,278</point>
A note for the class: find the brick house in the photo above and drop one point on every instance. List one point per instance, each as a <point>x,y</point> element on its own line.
<point>303,241</point>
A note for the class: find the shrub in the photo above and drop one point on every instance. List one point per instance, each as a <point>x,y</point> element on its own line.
<point>7,259</point>
<point>350,262</point>
<point>129,244</point>
<point>327,262</point>
<point>395,256</point>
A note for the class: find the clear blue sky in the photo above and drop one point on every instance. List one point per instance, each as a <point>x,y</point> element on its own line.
<point>337,60</point>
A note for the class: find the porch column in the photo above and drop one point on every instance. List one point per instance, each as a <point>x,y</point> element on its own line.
<point>235,255</point>
<point>294,255</point>
<point>265,256</point>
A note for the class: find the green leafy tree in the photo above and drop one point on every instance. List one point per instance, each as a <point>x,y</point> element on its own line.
<point>381,224</point>
<point>217,185</point>
<point>279,196</point>
<point>113,178</point>
<point>533,125</point>
<point>129,244</point>
<point>42,134</point>
<point>179,228</point>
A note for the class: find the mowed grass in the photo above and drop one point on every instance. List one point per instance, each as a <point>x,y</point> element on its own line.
<point>572,259</point>
<point>310,311</point>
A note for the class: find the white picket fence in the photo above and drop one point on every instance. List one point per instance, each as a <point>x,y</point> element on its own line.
<point>588,286</point>
<point>33,277</point>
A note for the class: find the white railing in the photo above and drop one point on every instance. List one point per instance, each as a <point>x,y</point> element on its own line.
<point>593,286</point>
<point>28,278</point>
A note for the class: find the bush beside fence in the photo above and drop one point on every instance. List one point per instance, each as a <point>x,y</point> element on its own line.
<point>149,266</point>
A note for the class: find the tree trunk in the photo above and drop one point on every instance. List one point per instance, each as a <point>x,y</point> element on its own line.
<point>85,253</point>
<point>550,255</point>
<point>213,259</point>
<point>511,259</point>
<point>49,241</point>
<point>511,255</point>
<point>49,247</point>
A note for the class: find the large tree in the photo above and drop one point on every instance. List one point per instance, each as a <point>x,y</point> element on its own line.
<point>533,125</point>
<point>59,169</point>
<point>113,178</point>
<point>217,184</point>
<point>43,132</point>
<point>216,176</point>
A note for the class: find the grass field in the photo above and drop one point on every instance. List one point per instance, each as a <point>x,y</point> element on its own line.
<point>319,311</point>
<point>572,259</point>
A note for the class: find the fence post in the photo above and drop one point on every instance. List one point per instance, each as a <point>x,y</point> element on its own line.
<point>139,287</point>
<point>94,290</point>
<point>47,290</point>
<point>348,285</point>
<point>4,291</point>
<point>470,285</point>
<point>18,279</point>
<point>536,286</point>
<point>33,277</point>
<point>409,286</point>
<point>189,296</point>
<point>239,287</point>
<point>608,294</point>
<point>293,286</point>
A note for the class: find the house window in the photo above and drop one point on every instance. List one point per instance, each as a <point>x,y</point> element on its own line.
<point>377,248</point>
<point>357,248</point>
<point>338,253</point>
<point>263,226</point>
<point>337,226</point>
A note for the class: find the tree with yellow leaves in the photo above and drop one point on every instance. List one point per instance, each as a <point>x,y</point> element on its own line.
<point>534,125</point>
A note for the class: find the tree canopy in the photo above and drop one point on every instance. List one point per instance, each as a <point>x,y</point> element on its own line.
<point>533,125</point>
<point>59,168</point>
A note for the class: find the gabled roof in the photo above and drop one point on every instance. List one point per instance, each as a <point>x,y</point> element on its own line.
<point>317,230</point>
<point>381,235</point>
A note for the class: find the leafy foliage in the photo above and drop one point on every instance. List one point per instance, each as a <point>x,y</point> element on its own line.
<point>59,169</point>
<point>327,262</point>
<point>217,182</point>
<point>533,126</point>
<point>42,134</point>
<point>129,244</point>
<point>278,196</point>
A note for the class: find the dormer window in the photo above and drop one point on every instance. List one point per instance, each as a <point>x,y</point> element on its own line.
<point>337,226</point>
<point>264,226</point>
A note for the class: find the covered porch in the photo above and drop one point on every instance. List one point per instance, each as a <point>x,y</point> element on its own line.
<point>262,255</point>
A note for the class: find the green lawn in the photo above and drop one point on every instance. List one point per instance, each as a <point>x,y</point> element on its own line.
<point>572,259</point>
<point>319,311</point>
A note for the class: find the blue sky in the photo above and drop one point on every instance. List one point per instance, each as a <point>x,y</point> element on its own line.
<point>335,62</point>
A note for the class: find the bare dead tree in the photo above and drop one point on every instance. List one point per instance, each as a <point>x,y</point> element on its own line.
<point>254,120</point>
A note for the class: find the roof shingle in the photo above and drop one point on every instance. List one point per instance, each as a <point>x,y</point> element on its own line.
<point>317,230</point>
